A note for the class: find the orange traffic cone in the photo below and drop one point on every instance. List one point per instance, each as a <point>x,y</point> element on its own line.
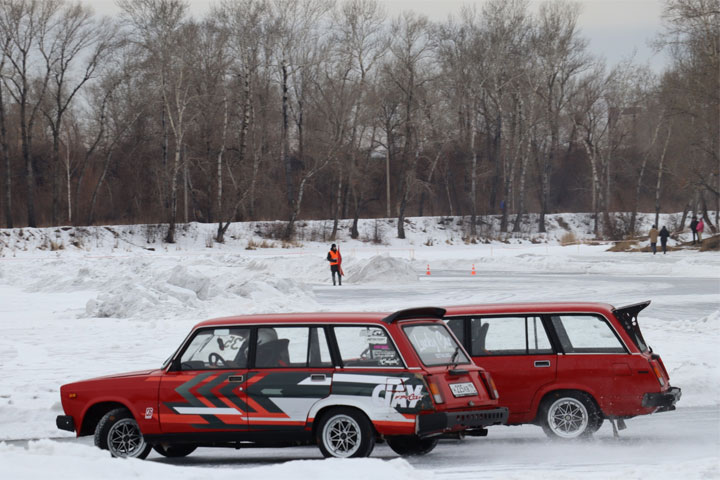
<point>428,270</point>
<point>472,272</point>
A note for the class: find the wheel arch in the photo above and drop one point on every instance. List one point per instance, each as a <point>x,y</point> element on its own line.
<point>329,407</point>
<point>541,398</point>
<point>92,415</point>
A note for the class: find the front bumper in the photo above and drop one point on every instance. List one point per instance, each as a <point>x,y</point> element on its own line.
<point>442,422</point>
<point>665,401</point>
<point>65,422</point>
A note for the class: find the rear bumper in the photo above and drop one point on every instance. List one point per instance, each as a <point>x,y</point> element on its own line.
<point>664,401</point>
<point>65,422</point>
<point>442,422</point>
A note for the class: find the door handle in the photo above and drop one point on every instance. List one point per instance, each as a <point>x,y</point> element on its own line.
<point>542,363</point>
<point>317,377</point>
<point>236,378</point>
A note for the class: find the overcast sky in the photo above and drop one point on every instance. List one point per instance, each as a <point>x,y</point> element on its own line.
<point>615,28</point>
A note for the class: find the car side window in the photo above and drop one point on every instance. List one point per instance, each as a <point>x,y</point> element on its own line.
<point>586,334</point>
<point>366,346</point>
<point>509,335</point>
<point>457,325</point>
<point>292,347</point>
<point>216,348</point>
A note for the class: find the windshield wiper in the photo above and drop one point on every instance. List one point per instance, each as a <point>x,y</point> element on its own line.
<point>453,359</point>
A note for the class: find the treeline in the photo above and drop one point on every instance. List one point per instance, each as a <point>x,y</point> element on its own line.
<point>274,109</point>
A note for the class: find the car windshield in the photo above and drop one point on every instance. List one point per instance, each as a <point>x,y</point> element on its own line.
<point>435,345</point>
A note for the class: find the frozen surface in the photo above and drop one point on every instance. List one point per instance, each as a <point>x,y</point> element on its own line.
<point>115,306</point>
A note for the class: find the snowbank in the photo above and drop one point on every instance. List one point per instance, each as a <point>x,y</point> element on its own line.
<point>382,269</point>
<point>47,458</point>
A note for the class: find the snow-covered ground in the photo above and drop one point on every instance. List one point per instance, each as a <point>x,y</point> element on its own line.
<point>109,304</point>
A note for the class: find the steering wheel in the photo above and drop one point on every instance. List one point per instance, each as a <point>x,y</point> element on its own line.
<point>216,360</point>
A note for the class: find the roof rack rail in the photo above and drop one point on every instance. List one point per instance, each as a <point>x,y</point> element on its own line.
<point>434,312</point>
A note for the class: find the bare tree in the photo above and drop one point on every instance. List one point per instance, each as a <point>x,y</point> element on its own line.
<point>409,71</point>
<point>73,41</point>
<point>161,33</point>
<point>24,21</point>
<point>561,55</point>
<point>4,142</point>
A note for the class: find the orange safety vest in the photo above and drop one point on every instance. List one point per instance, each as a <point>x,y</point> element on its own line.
<point>334,257</point>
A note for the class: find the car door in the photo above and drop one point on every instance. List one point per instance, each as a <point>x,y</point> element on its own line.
<point>517,352</point>
<point>594,357</point>
<point>204,389</point>
<point>292,370</point>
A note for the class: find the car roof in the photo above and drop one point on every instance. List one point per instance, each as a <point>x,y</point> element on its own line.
<point>377,317</point>
<point>309,317</point>
<point>528,307</point>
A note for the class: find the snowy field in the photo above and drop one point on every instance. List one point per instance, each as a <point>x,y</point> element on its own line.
<point>111,305</point>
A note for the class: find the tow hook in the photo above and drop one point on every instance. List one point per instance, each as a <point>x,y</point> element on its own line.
<point>617,424</point>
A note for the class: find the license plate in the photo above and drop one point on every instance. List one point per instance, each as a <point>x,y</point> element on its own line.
<point>463,389</point>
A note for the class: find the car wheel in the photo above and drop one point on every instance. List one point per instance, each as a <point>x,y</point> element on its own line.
<point>175,451</point>
<point>344,433</point>
<point>119,433</point>
<point>411,445</point>
<point>570,415</point>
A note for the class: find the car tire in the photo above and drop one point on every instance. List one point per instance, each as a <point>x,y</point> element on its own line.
<point>345,433</point>
<point>119,433</point>
<point>568,415</point>
<point>411,445</point>
<point>175,451</point>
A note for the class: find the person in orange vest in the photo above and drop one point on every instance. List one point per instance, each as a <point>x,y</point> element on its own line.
<point>335,260</point>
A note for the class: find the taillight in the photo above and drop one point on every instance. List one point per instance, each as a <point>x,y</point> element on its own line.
<point>659,376</point>
<point>435,390</point>
<point>490,384</point>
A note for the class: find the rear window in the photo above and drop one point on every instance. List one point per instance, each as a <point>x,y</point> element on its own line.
<point>435,345</point>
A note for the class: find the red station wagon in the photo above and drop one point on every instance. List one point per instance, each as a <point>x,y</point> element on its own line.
<point>566,366</point>
<point>338,380</point>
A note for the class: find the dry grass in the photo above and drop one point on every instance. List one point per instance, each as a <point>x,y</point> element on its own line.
<point>623,246</point>
<point>711,244</point>
<point>568,239</point>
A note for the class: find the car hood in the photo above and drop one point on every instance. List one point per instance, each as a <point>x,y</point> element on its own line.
<point>139,373</point>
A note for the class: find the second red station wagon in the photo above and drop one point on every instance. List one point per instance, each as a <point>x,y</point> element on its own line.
<point>566,366</point>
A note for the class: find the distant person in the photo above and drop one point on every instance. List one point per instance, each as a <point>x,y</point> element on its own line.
<point>335,260</point>
<point>653,239</point>
<point>700,227</point>
<point>693,228</point>
<point>664,234</point>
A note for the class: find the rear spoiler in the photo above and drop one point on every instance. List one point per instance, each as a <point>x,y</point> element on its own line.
<point>433,312</point>
<point>631,310</point>
<point>628,319</point>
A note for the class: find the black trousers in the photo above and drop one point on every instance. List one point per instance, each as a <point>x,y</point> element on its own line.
<point>664,245</point>
<point>335,269</point>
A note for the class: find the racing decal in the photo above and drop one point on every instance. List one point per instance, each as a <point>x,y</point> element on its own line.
<point>148,413</point>
<point>277,400</point>
<point>397,395</point>
<point>263,399</point>
<point>403,393</point>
